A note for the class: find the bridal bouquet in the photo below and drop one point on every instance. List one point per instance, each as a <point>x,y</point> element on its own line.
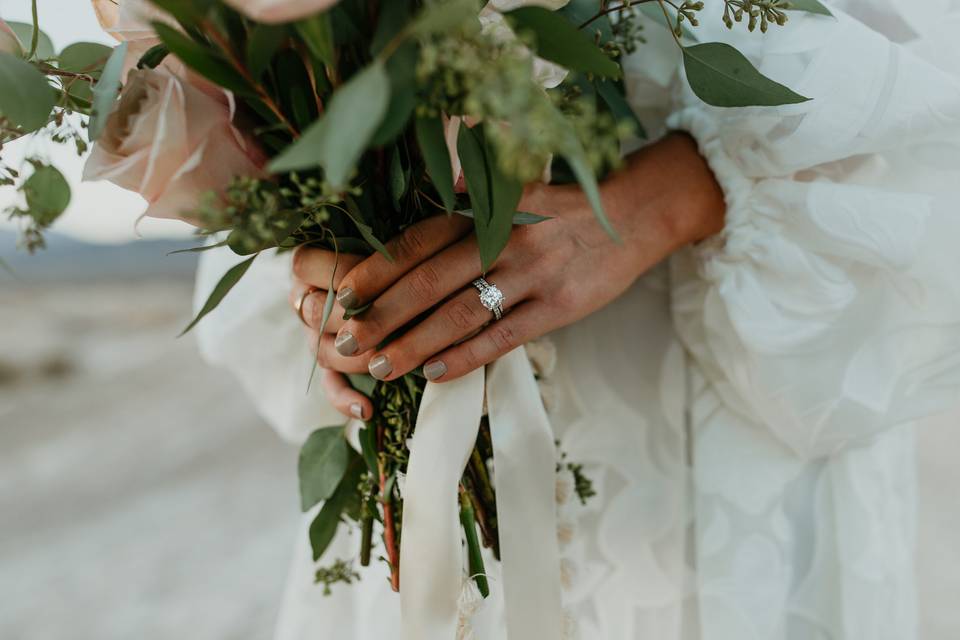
<point>280,123</point>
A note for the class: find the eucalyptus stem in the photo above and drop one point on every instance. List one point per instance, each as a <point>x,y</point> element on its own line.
<point>474,553</point>
<point>35,37</point>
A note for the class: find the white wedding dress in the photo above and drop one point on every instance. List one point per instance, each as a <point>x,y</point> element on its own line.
<point>746,409</point>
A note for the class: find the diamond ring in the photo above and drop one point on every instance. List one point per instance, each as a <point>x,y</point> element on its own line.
<point>490,297</point>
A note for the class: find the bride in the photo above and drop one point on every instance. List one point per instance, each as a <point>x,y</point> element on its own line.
<point>740,376</point>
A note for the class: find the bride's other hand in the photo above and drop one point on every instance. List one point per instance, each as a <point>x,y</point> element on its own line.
<point>551,274</point>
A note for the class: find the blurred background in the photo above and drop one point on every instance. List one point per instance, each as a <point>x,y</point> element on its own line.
<point>140,495</point>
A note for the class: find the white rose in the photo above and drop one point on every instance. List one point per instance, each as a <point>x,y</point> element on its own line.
<point>273,11</point>
<point>9,43</point>
<point>171,141</point>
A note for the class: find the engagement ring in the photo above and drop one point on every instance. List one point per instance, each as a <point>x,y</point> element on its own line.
<point>490,297</point>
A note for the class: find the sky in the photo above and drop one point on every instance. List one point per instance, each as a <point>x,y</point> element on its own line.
<point>99,211</point>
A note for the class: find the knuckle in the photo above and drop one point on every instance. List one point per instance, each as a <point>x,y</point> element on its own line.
<point>424,283</point>
<point>410,244</point>
<point>502,337</point>
<point>471,359</point>
<point>567,298</point>
<point>301,262</point>
<point>461,315</point>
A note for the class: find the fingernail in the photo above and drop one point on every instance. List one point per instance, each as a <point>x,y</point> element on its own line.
<point>380,367</point>
<point>434,370</point>
<point>345,344</point>
<point>347,298</point>
<point>357,410</point>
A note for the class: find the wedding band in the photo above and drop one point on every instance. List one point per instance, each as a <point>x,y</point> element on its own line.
<point>299,304</point>
<point>490,297</point>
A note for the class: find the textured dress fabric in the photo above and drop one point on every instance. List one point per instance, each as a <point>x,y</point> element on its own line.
<point>746,410</point>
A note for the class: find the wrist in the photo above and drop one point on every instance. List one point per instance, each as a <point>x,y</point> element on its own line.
<point>668,186</point>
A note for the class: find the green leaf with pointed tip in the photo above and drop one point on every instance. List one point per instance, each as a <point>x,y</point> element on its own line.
<point>340,504</point>
<point>323,460</point>
<point>810,6</point>
<point>433,148</point>
<point>26,98</point>
<point>577,159</point>
<point>520,217</point>
<point>362,382</point>
<point>558,40</point>
<point>723,77</point>
<point>87,58</point>
<point>336,141</point>
<point>317,32</point>
<point>262,44</point>
<point>105,91</point>
<point>226,283</point>
<point>366,231</point>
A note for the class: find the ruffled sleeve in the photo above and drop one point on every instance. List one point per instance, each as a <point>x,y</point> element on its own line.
<point>829,307</point>
<point>254,334</point>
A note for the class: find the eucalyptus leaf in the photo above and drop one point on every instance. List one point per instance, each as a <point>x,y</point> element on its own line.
<point>84,57</point>
<point>368,448</point>
<point>401,69</point>
<point>577,159</point>
<point>436,157</point>
<point>362,382</point>
<point>336,141</point>
<point>226,283</point>
<point>324,526</point>
<point>317,32</point>
<point>810,6</point>
<point>105,91</point>
<point>200,249</point>
<point>723,77</point>
<point>442,17</point>
<point>398,178</point>
<point>475,172</point>
<point>366,231</point>
<point>208,62</point>
<point>613,96</point>
<point>322,462</point>
<point>24,33</point>
<point>558,40</point>
<point>505,192</point>
<point>47,193</point>
<point>262,44</point>
<point>26,98</point>
<point>520,217</point>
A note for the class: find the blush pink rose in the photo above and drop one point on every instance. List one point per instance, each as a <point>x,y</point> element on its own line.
<point>274,11</point>
<point>172,141</point>
<point>9,43</point>
<point>129,21</point>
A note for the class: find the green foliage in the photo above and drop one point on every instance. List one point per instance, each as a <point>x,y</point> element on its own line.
<point>206,61</point>
<point>317,33</point>
<point>558,40</point>
<point>262,45</point>
<point>220,291</point>
<point>24,33</point>
<point>105,91</point>
<point>810,6</point>
<point>723,77</point>
<point>339,505</point>
<point>336,140</point>
<point>47,193</point>
<point>433,146</point>
<point>26,98</point>
<point>323,460</point>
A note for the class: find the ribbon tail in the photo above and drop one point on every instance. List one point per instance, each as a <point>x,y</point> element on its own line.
<point>431,562</point>
<point>525,475</point>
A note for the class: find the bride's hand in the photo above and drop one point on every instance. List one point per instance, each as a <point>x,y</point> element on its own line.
<point>551,274</point>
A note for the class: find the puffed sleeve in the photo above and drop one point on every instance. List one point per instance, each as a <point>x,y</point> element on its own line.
<point>828,309</point>
<point>254,334</point>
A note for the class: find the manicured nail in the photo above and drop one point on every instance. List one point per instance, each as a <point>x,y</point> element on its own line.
<point>434,370</point>
<point>346,344</point>
<point>380,367</point>
<point>357,410</point>
<point>347,298</point>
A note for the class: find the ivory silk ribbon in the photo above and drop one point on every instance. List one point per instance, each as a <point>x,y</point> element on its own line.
<point>431,554</point>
